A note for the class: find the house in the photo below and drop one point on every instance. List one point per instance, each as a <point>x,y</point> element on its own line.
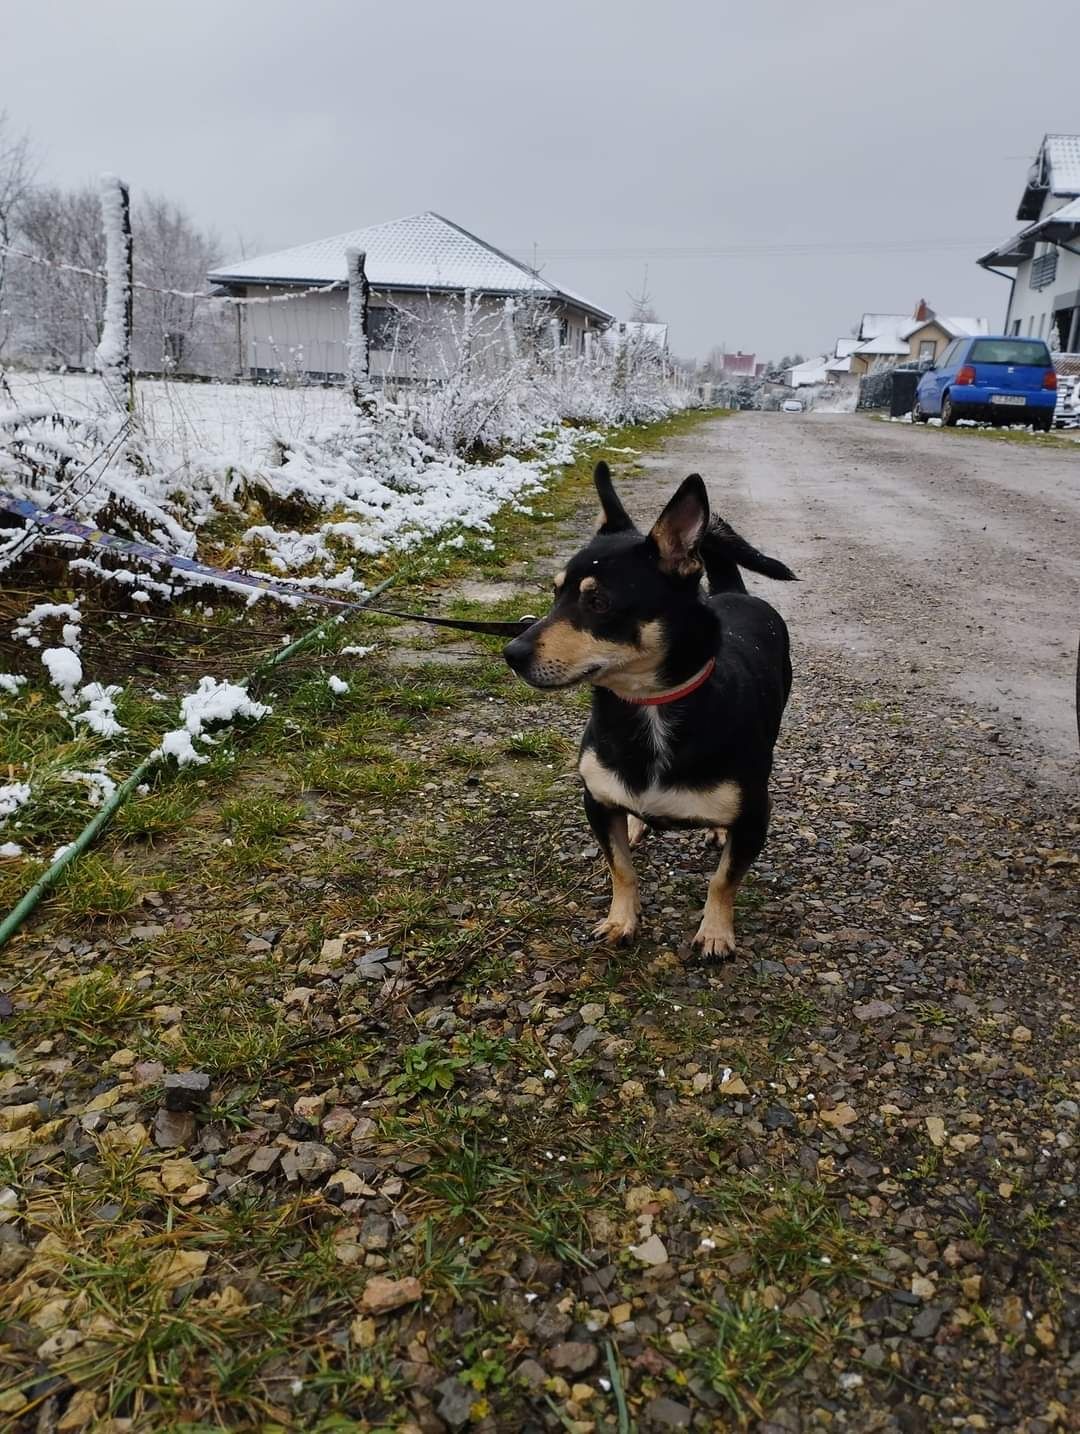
<point>885,340</point>
<point>802,375</point>
<point>739,364</point>
<point>838,367</point>
<point>1044,295</point>
<point>649,335</point>
<point>420,270</point>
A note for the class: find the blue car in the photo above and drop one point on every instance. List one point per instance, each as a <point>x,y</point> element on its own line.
<point>991,379</point>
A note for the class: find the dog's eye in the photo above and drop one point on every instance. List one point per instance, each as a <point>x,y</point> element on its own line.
<point>595,600</point>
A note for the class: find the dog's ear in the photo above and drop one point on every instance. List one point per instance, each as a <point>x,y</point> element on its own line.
<point>681,527</point>
<point>613,516</point>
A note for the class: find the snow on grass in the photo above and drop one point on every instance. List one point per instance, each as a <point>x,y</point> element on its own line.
<point>213,704</point>
<point>10,682</point>
<point>10,849</point>
<point>337,685</point>
<point>99,712</point>
<point>65,671</point>
<point>13,796</point>
<point>99,785</point>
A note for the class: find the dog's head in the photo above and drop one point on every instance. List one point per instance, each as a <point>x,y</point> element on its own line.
<point>620,598</point>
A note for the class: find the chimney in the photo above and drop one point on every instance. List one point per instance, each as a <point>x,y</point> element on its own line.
<point>922,313</point>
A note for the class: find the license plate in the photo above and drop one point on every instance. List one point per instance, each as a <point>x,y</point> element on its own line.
<point>1014,400</point>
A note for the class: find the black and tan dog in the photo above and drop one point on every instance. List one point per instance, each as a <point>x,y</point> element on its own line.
<point>688,690</point>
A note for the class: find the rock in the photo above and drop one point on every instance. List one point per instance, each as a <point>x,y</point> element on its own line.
<point>935,1128</point>
<point>840,1115</point>
<point>664,1413</point>
<point>652,1251</point>
<point>874,1011</point>
<point>585,1038</point>
<point>532,1373</point>
<point>307,1161</point>
<point>173,1129</point>
<point>808,1305</point>
<point>455,1403</point>
<point>778,1117</point>
<point>925,1324</point>
<point>592,1012</point>
<point>19,1117</point>
<point>1020,1035</point>
<point>575,1355</point>
<point>186,1090</point>
<point>381,1295</point>
<point>263,1159</point>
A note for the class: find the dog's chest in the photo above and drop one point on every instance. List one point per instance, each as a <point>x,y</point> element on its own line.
<point>658,799</point>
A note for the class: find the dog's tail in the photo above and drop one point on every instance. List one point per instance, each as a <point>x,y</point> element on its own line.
<point>724,552</point>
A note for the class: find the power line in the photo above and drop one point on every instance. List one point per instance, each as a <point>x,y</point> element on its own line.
<point>769,249</point>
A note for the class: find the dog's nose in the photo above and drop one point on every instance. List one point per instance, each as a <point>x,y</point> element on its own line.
<point>518,652</point>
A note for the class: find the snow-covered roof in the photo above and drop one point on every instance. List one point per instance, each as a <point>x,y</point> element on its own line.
<point>889,333</point>
<point>812,371</point>
<point>422,251</point>
<point>1062,223</point>
<point>839,365</point>
<point>845,347</point>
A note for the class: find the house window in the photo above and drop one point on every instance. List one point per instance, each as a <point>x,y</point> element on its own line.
<point>927,350</point>
<point>382,328</point>
<point>1015,327</point>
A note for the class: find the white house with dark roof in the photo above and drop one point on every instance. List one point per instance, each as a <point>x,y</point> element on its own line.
<point>420,269</point>
<point>1044,257</point>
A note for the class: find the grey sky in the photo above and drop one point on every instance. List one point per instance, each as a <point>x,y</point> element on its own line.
<point>609,133</point>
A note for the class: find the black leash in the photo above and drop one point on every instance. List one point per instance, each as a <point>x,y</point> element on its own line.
<point>463,624</point>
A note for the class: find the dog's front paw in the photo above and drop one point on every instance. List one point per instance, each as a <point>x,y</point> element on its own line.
<point>617,930</point>
<point>635,830</point>
<point>715,940</point>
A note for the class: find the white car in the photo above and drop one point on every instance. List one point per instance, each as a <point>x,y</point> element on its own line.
<point>791,405</point>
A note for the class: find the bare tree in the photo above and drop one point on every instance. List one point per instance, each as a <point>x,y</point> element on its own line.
<point>173,331</point>
<point>62,310</point>
<point>16,178</point>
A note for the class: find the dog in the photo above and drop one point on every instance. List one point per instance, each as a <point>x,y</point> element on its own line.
<point>689,688</point>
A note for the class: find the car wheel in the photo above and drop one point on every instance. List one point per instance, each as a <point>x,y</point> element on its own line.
<point>948,412</point>
<point>1043,425</point>
<point>917,414</point>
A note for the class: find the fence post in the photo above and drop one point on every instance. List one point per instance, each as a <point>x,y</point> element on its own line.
<point>114,351</point>
<point>358,346</point>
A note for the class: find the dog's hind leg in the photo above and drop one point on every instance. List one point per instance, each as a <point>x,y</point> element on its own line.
<point>745,839</point>
<point>610,830</point>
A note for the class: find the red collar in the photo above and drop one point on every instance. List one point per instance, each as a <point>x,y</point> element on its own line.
<point>662,698</point>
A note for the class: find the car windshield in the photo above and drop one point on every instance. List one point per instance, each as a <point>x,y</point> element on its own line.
<point>1015,351</point>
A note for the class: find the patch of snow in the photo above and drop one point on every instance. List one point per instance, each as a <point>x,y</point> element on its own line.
<point>212,704</point>
<point>99,785</point>
<point>356,651</point>
<point>178,744</point>
<point>10,849</point>
<point>10,682</point>
<point>26,629</point>
<point>64,669</point>
<point>336,685</point>
<point>13,796</point>
<point>99,713</point>
<point>61,851</point>
<point>215,702</point>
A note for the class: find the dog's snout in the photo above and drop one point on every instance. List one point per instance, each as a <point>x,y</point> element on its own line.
<point>518,652</point>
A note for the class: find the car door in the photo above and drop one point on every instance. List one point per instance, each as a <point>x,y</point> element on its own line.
<point>941,375</point>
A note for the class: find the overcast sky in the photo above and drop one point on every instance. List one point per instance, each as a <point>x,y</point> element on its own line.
<point>779,167</point>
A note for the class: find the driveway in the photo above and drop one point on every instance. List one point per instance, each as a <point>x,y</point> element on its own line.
<point>944,562</point>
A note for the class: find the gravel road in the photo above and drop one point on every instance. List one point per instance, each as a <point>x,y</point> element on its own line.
<point>944,561</point>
